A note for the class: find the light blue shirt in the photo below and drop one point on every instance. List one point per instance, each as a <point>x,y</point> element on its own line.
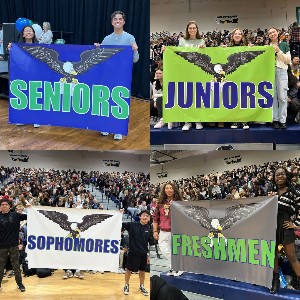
<point>124,39</point>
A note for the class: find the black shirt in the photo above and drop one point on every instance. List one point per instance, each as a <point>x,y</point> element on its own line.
<point>139,236</point>
<point>9,229</point>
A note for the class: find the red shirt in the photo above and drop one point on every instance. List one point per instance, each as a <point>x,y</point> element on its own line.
<point>162,216</point>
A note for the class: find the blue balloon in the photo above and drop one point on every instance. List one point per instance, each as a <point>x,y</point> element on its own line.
<point>21,23</point>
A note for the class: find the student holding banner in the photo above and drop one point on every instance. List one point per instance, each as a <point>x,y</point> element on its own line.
<point>192,39</point>
<point>121,38</point>
<point>162,221</point>
<point>283,59</point>
<point>27,36</point>
<point>238,39</point>
<point>288,206</point>
<point>139,235</point>
<point>9,240</point>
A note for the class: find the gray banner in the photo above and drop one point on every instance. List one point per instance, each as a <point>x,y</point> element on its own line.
<point>228,239</point>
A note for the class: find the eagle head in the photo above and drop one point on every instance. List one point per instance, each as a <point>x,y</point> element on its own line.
<point>69,68</point>
<point>215,223</point>
<point>218,69</point>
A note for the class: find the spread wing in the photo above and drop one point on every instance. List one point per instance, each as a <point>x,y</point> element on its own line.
<point>237,59</point>
<point>236,213</point>
<point>58,218</point>
<point>90,220</point>
<point>198,59</point>
<point>46,55</point>
<point>90,58</point>
<point>200,214</point>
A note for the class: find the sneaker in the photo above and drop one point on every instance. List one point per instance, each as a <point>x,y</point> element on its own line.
<point>187,126</point>
<point>78,275</point>
<point>121,271</point>
<point>36,125</point>
<point>152,121</point>
<point>170,125</point>
<point>19,124</point>
<point>11,274</point>
<point>178,273</point>
<point>199,126</point>
<point>21,287</point>
<point>245,126</point>
<point>283,125</point>
<point>117,137</point>
<point>126,289</point>
<point>68,274</point>
<point>159,124</point>
<point>104,133</point>
<point>234,126</point>
<point>276,125</point>
<point>143,290</point>
<point>171,272</point>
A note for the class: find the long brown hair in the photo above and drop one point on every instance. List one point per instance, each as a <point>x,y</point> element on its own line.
<point>243,41</point>
<point>163,196</point>
<point>187,35</point>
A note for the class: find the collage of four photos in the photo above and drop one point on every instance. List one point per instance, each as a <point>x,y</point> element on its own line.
<point>150,149</point>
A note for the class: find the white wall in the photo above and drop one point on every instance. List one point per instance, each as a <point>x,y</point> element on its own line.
<point>80,160</point>
<point>252,14</point>
<point>214,162</point>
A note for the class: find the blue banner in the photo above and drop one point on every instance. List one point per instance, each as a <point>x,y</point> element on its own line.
<point>71,85</point>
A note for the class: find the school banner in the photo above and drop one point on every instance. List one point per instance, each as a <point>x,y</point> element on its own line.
<point>233,84</point>
<point>70,238</point>
<point>227,19</point>
<point>228,239</point>
<point>71,85</point>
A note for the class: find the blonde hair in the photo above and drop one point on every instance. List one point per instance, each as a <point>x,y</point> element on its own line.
<point>47,25</point>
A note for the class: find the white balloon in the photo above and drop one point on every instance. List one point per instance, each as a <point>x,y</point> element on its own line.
<point>38,30</point>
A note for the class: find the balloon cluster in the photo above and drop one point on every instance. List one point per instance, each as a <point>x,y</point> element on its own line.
<point>23,22</point>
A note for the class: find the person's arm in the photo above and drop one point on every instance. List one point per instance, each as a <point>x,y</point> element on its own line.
<point>283,53</point>
<point>136,55</point>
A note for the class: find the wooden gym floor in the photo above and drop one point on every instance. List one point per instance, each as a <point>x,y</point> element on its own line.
<point>26,137</point>
<point>108,286</point>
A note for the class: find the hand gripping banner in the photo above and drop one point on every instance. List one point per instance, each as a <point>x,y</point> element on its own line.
<point>228,239</point>
<point>70,238</point>
<point>71,85</point>
<point>233,84</point>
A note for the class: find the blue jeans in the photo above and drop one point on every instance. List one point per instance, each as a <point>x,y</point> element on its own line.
<point>280,95</point>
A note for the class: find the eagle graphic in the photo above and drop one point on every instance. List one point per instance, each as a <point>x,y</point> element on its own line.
<point>219,71</point>
<point>69,70</point>
<point>74,228</point>
<point>216,226</point>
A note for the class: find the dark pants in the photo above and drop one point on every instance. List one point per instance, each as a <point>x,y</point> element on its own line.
<point>292,110</point>
<point>156,111</point>
<point>13,253</point>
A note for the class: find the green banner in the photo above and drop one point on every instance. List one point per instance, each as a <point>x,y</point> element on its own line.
<point>233,84</point>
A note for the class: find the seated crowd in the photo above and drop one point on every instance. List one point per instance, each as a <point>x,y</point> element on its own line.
<point>249,181</point>
<point>287,113</point>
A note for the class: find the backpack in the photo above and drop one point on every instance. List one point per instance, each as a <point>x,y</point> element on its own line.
<point>43,272</point>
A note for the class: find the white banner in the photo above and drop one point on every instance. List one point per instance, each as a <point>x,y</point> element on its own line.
<point>70,238</point>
